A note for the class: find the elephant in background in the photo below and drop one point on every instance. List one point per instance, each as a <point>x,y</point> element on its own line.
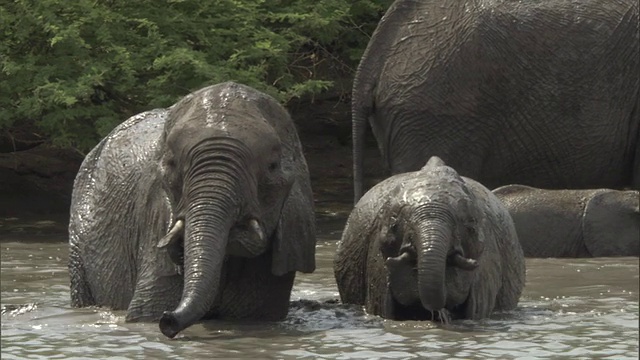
<point>430,245</point>
<point>574,223</point>
<point>203,210</point>
<point>541,93</point>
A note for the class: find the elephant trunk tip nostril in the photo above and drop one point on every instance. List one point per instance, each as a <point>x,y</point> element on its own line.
<point>169,325</point>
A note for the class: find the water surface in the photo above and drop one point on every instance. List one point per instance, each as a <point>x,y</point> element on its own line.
<point>571,308</point>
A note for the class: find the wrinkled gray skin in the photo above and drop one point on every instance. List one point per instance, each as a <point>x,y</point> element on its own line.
<point>542,93</point>
<point>574,223</point>
<point>430,245</point>
<point>203,210</point>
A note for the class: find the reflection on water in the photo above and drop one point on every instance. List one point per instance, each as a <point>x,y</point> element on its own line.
<point>573,308</point>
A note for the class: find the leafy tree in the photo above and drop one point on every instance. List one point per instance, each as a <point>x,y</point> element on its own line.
<point>76,69</point>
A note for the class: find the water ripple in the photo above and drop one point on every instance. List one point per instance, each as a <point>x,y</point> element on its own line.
<point>564,313</point>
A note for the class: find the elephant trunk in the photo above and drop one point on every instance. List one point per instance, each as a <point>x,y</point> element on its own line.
<point>432,245</point>
<point>212,210</point>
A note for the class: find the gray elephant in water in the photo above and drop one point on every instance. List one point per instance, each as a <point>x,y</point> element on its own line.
<point>430,245</point>
<point>203,210</point>
<point>574,223</point>
<point>542,93</point>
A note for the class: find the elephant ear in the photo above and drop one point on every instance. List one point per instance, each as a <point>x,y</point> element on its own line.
<point>294,240</point>
<point>611,224</point>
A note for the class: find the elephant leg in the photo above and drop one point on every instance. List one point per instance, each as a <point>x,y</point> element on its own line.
<point>79,288</point>
<point>251,291</point>
<point>158,289</point>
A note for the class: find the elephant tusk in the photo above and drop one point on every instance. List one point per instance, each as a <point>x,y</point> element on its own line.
<point>395,261</point>
<point>248,240</point>
<point>464,263</point>
<point>172,235</point>
<point>256,228</point>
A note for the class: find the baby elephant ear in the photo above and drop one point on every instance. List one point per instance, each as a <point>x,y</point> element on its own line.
<point>611,224</point>
<point>388,242</point>
<point>294,242</point>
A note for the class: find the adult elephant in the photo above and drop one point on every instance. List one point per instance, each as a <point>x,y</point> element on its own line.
<point>542,93</point>
<point>574,223</point>
<point>203,210</point>
<point>430,245</point>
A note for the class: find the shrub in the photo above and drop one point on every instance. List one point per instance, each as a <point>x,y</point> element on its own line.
<point>76,69</point>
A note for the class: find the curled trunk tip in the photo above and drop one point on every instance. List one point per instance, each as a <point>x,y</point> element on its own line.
<point>170,325</point>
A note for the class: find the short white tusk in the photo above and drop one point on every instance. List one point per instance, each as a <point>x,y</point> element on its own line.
<point>464,263</point>
<point>256,228</point>
<point>172,234</point>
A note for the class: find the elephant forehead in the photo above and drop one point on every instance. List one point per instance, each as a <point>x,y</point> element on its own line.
<point>424,191</point>
<point>227,108</point>
<point>218,107</point>
<point>203,118</point>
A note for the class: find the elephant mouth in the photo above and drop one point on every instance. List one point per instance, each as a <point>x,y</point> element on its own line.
<point>416,312</point>
<point>247,239</point>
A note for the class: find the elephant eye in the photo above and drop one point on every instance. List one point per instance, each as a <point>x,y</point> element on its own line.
<point>274,166</point>
<point>169,160</point>
<point>470,225</point>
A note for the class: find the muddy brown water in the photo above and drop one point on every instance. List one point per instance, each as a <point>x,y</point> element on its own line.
<point>571,308</point>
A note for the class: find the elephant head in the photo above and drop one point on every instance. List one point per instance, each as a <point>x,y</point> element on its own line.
<point>228,162</point>
<point>429,239</point>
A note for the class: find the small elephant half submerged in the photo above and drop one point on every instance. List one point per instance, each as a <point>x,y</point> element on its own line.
<point>203,210</point>
<point>574,223</point>
<point>422,244</point>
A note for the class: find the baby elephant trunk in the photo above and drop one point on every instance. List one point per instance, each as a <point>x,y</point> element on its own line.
<point>432,246</point>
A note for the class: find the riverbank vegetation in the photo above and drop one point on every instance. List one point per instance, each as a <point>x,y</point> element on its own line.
<point>73,70</point>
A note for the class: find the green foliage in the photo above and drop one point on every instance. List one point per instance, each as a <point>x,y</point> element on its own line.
<point>78,68</point>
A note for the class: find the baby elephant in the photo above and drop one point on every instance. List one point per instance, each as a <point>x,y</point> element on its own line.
<point>430,245</point>
<point>574,223</point>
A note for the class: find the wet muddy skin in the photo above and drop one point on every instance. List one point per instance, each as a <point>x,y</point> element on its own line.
<point>572,308</point>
